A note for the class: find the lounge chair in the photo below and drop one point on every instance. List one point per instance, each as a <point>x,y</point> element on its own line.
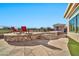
<point>23,29</point>
<point>14,30</point>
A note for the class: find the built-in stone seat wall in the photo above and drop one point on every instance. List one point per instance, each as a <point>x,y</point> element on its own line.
<point>25,37</point>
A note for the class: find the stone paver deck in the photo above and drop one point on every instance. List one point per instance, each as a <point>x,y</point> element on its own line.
<point>56,47</point>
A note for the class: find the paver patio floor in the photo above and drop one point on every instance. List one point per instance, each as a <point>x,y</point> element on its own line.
<point>56,47</point>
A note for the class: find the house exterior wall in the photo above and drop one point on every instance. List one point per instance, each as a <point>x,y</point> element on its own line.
<point>60,27</point>
<point>73,34</point>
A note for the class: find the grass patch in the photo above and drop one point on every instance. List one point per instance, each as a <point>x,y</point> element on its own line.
<point>73,47</point>
<point>2,31</point>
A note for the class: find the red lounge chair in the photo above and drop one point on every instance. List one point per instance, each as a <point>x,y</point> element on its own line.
<point>23,28</point>
<point>14,29</point>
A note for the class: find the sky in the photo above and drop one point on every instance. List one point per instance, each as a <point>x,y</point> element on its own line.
<point>32,14</point>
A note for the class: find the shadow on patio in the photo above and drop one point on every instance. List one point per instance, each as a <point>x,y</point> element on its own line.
<point>33,43</point>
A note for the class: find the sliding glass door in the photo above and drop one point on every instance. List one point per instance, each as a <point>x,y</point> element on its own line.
<point>72,25</point>
<point>78,23</point>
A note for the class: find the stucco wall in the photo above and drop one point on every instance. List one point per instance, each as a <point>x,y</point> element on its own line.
<point>74,36</point>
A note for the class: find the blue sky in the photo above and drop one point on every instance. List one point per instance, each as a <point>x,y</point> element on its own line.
<point>32,15</point>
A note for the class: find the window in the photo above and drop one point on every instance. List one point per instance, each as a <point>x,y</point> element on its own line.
<point>78,22</point>
<point>72,25</point>
<point>74,22</point>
